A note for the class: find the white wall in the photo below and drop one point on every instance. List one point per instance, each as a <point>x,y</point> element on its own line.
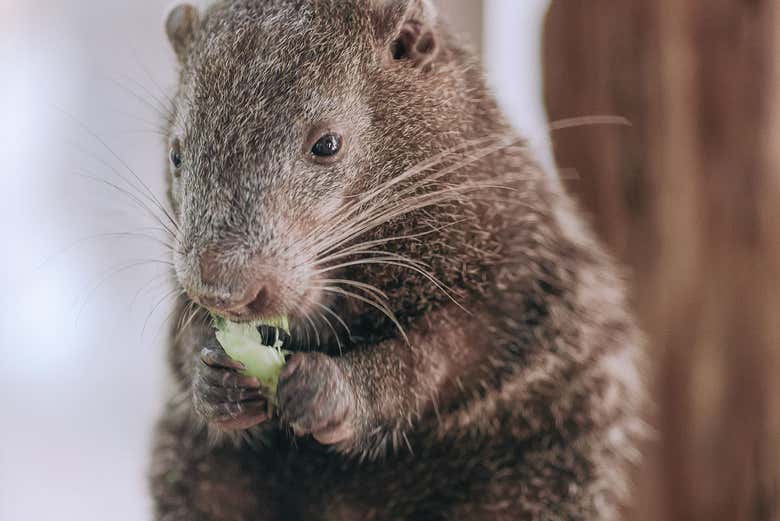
<point>80,378</point>
<point>508,34</point>
<point>512,51</point>
<point>79,383</point>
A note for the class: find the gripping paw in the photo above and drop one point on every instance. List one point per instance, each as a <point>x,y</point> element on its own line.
<point>223,396</point>
<point>315,398</point>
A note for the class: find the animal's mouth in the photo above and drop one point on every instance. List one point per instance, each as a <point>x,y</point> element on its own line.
<point>294,308</point>
<point>238,316</point>
<point>292,336</point>
<point>271,335</point>
<point>256,301</point>
<point>308,308</point>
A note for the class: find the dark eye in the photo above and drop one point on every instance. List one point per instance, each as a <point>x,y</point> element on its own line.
<point>176,159</point>
<point>328,146</point>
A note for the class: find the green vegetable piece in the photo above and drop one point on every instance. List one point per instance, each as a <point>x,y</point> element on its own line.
<point>243,342</point>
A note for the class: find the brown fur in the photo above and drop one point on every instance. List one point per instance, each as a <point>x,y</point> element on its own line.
<point>514,397</point>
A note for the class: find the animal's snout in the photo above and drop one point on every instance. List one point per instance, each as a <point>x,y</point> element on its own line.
<point>251,298</point>
<point>210,268</point>
<point>254,301</point>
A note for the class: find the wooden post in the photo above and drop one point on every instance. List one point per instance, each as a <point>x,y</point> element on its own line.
<point>689,198</point>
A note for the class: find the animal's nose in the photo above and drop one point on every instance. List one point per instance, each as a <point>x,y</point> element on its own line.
<point>252,300</point>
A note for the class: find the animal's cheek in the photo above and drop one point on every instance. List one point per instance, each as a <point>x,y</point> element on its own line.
<point>329,207</point>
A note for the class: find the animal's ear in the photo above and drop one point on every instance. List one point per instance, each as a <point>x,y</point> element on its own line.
<point>182,24</point>
<point>406,30</point>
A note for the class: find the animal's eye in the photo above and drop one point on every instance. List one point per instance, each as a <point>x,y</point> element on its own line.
<point>328,146</point>
<point>175,156</point>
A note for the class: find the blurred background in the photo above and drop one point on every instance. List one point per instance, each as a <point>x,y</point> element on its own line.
<point>687,197</point>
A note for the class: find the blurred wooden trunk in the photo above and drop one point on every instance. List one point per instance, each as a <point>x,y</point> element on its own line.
<point>689,198</point>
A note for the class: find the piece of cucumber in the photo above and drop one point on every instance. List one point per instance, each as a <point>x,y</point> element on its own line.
<point>243,342</point>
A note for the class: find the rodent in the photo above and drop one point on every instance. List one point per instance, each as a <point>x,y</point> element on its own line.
<point>492,366</point>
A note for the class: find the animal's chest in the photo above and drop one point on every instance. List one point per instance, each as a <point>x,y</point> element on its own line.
<point>426,485</point>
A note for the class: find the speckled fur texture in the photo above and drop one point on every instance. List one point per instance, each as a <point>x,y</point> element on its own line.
<point>514,391</point>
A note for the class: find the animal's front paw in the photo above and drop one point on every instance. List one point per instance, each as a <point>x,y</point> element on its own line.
<point>315,398</point>
<point>223,396</point>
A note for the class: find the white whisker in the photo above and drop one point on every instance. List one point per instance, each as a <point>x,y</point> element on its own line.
<point>383,308</point>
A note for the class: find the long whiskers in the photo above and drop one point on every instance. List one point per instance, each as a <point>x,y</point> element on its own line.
<point>314,328</point>
<point>368,288</point>
<point>358,218</point>
<point>143,189</point>
<point>377,305</point>
<point>365,247</point>
<point>133,198</point>
<point>139,234</point>
<point>175,292</point>
<point>348,211</point>
<point>332,329</point>
<point>113,273</point>
<point>399,205</point>
<point>338,318</point>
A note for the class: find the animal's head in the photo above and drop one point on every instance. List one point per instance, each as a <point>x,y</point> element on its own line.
<point>289,115</point>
